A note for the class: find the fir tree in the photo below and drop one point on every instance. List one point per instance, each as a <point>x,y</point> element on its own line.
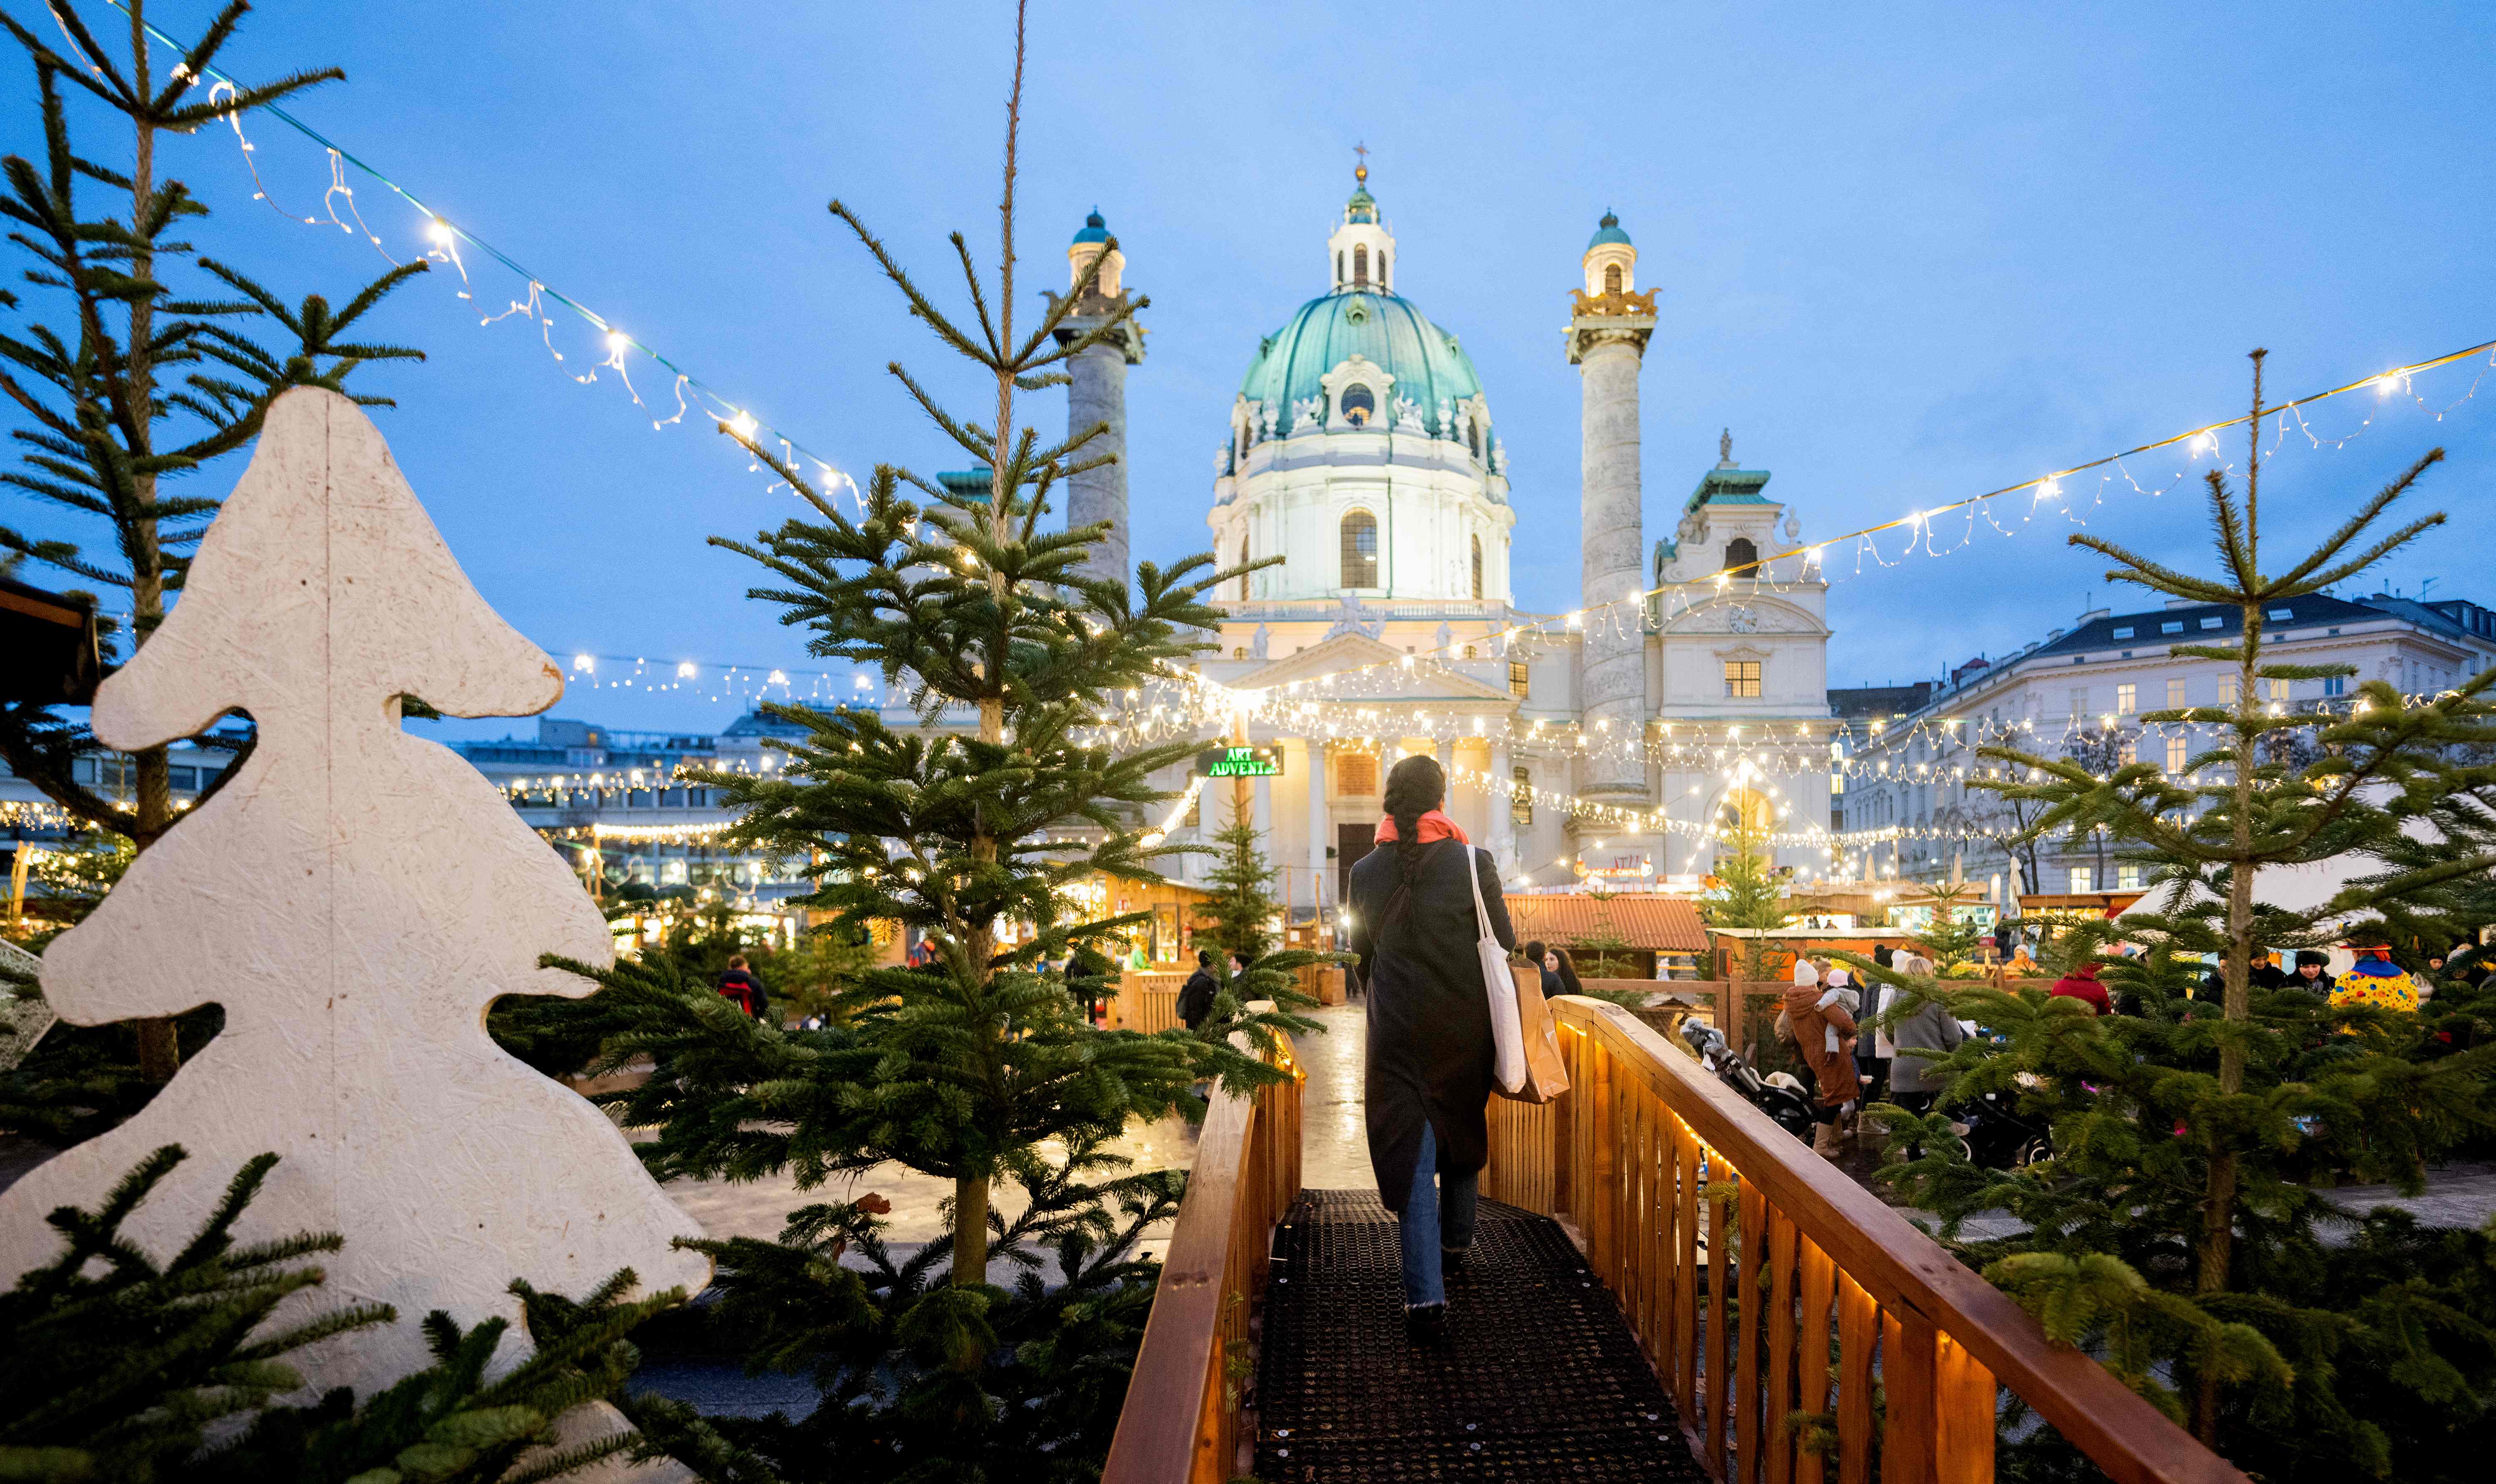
<point>956,826</point>
<point>2176,1230</point>
<point>148,374</point>
<point>1239,919</point>
<point>1746,890</point>
<point>114,1366</point>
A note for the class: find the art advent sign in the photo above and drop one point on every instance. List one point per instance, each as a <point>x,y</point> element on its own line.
<point>1240,762</point>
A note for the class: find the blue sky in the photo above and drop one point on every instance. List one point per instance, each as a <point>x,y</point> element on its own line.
<point>1908,253</point>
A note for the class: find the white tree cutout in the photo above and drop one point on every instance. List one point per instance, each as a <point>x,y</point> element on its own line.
<point>355,898</point>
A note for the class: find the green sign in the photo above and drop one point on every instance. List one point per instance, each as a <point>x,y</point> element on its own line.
<point>1240,762</point>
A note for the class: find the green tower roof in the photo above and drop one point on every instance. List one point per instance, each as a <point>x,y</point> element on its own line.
<point>1094,230</point>
<point>1608,230</point>
<point>1427,363</point>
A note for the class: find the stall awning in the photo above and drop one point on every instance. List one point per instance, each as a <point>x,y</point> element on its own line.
<point>1642,920</point>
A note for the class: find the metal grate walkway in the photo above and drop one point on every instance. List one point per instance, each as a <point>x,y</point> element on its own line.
<point>1543,1382</point>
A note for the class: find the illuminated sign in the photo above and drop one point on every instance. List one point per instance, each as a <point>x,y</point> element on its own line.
<point>1240,762</point>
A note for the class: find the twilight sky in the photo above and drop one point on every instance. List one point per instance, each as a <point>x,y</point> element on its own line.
<point>1908,253</point>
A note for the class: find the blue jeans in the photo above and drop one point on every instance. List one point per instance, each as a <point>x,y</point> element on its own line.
<point>1430,1223</point>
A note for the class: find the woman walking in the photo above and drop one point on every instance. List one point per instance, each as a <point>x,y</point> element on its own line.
<point>1822,1026</point>
<point>1429,1052</point>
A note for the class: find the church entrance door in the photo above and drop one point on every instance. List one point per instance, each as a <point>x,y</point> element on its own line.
<point>1351,843</point>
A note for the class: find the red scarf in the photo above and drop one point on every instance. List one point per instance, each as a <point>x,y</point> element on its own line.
<point>1434,826</point>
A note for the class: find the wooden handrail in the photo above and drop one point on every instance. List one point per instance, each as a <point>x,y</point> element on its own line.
<point>1622,1153</point>
<point>1180,1421</point>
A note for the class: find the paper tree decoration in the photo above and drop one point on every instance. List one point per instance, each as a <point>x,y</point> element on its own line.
<point>355,898</point>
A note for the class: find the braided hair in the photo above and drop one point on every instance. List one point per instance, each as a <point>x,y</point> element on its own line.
<point>1414,786</point>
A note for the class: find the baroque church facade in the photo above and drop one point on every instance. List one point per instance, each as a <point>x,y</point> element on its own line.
<point>1606,747</point>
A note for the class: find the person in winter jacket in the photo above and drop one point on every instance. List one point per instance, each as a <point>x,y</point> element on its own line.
<point>2082,984</point>
<point>2314,976</point>
<point>1428,1068</point>
<point>1925,1025</point>
<point>1196,996</point>
<point>742,986</point>
<point>1822,1026</point>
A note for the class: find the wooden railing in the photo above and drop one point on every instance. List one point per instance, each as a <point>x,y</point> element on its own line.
<point>1685,1194</point>
<point>1146,1001</point>
<point>1181,1422</point>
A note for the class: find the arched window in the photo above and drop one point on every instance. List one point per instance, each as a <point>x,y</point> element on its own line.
<point>1612,278</point>
<point>1338,269</point>
<point>1478,587</point>
<point>1359,405</point>
<point>1247,435</point>
<point>1359,549</point>
<point>1360,264</point>
<point>1740,552</point>
<point>1473,436</point>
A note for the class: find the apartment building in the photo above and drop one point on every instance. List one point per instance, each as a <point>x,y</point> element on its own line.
<point>2078,693</point>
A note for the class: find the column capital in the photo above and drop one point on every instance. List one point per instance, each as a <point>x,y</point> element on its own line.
<point>1589,332</point>
<point>1089,314</point>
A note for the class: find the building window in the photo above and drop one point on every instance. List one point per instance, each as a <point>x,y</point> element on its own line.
<point>2175,695</point>
<point>1195,811</point>
<point>2335,685</point>
<point>2171,626</point>
<point>1469,651</point>
<point>2080,703</point>
<point>1473,436</point>
<point>2123,634</point>
<point>2127,877</point>
<point>1612,278</point>
<point>2214,622</point>
<point>2279,690</point>
<point>2127,698</point>
<point>1519,679</point>
<point>1338,268</point>
<point>1356,775</point>
<point>2228,689</point>
<point>1359,264</point>
<point>1358,406</point>
<point>1742,679</point>
<point>2175,754</point>
<point>1478,588</point>
<point>1520,809</point>
<point>1740,552</point>
<point>1359,549</point>
<point>2081,880</point>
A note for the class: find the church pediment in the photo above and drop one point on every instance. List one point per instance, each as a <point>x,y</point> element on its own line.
<point>1746,613</point>
<point>1384,677</point>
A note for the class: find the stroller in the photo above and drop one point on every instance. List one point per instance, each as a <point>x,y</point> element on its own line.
<point>1779,1094</point>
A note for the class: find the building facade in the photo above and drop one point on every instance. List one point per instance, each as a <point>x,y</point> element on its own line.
<point>1363,451</point>
<point>2079,693</point>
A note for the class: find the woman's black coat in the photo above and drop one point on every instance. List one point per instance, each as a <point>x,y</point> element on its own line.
<point>1429,1016</point>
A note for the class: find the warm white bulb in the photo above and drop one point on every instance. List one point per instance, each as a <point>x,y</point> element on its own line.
<point>619,342</point>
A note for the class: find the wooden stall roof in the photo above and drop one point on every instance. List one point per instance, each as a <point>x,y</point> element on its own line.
<point>1643,919</point>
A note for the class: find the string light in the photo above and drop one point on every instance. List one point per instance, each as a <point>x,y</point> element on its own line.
<point>444,239</point>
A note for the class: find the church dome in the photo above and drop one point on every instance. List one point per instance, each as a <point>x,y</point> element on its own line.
<point>1094,230</point>
<point>1608,230</point>
<point>1427,364</point>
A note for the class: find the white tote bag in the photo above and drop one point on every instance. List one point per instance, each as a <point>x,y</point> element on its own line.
<point>1507,1027</point>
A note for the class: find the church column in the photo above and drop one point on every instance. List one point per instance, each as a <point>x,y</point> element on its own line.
<point>1312,765</point>
<point>1607,336</point>
<point>1097,395</point>
<point>1503,814</point>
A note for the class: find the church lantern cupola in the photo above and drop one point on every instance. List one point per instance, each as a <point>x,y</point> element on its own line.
<point>1361,250</point>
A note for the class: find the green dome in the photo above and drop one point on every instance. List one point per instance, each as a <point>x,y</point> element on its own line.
<point>1094,230</point>
<point>1425,360</point>
<point>1608,230</point>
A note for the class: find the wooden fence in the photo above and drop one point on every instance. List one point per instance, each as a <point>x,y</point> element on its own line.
<point>1146,1002</point>
<point>1685,1194</point>
<point>1181,1421</point>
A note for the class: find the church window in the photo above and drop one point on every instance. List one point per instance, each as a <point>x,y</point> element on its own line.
<point>1356,775</point>
<point>1338,269</point>
<point>1359,549</point>
<point>1520,807</point>
<point>1742,679</point>
<point>1359,264</point>
<point>1359,404</point>
<point>1612,278</point>
<point>1741,553</point>
<point>1478,585</point>
<point>1473,436</point>
<point>1469,651</point>
<point>1519,678</point>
